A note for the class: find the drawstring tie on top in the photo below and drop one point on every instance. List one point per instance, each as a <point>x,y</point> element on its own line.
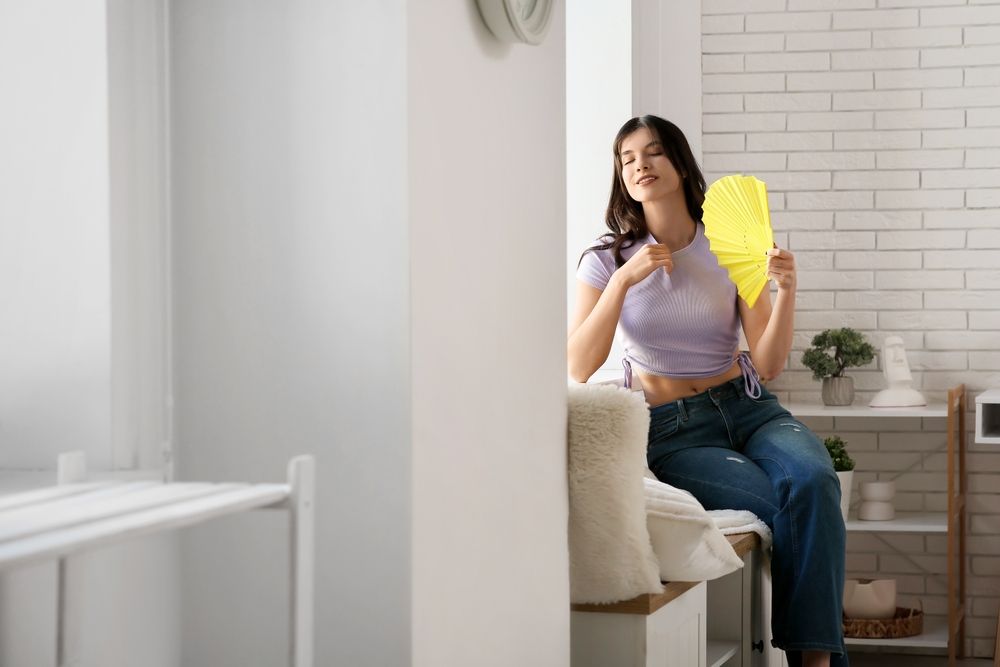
<point>751,380</point>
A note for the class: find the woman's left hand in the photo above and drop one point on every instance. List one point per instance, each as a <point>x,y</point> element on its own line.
<point>781,268</point>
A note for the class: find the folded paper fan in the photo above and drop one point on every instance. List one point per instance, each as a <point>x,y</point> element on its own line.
<point>738,228</point>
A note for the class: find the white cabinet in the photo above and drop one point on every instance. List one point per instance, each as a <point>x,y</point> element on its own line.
<point>671,636</point>
<point>721,623</point>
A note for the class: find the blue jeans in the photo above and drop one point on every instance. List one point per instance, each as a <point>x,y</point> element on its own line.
<point>736,452</point>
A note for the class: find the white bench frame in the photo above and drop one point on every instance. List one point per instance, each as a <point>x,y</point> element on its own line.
<point>75,516</point>
<point>705,624</point>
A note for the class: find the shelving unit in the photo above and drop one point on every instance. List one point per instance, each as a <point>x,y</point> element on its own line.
<point>905,522</point>
<point>935,635</point>
<point>59,522</point>
<point>950,634</point>
<point>719,652</point>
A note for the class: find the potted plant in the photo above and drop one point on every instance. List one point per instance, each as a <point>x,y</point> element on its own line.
<point>843,464</point>
<point>849,348</point>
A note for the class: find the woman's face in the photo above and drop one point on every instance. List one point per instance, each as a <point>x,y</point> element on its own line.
<point>646,170</point>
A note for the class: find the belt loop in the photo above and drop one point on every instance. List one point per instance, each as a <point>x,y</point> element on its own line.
<point>681,410</point>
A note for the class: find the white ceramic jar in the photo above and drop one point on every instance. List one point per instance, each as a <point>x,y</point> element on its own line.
<point>870,598</point>
<point>876,501</point>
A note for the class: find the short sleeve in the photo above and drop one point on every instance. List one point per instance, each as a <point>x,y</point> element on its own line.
<point>596,268</point>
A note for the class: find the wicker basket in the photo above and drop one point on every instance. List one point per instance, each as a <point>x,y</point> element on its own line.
<point>905,623</point>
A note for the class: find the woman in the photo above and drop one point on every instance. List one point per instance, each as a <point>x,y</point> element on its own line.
<point>713,429</point>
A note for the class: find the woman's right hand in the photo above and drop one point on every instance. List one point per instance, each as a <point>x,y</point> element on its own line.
<point>646,260</point>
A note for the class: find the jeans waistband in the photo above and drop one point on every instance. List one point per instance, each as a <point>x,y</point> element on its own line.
<point>730,389</point>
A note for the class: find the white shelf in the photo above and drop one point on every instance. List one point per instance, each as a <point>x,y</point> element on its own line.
<point>988,417</point>
<point>815,410</point>
<point>60,520</point>
<point>905,522</point>
<point>17,481</point>
<point>720,651</point>
<point>75,516</point>
<point>935,635</point>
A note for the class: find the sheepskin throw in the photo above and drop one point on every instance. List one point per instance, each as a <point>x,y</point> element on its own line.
<point>611,557</point>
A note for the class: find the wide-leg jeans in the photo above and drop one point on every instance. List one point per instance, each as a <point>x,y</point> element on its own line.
<point>736,452</point>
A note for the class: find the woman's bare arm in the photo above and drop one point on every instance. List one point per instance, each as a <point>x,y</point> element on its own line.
<point>768,329</point>
<point>592,327</point>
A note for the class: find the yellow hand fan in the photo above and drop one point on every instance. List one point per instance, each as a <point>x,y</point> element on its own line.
<point>738,228</point>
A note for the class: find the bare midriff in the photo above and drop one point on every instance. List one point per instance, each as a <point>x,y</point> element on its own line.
<point>659,389</point>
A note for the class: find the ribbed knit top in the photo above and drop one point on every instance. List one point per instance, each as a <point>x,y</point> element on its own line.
<point>685,324</point>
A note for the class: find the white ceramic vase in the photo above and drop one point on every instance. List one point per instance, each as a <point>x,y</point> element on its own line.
<point>846,478</point>
<point>867,598</point>
<point>876,501</point>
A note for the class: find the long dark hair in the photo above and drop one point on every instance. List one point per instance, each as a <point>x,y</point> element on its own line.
<point>624,216</point>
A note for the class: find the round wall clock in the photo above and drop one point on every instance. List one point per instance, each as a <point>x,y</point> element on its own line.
<point>517,20</point>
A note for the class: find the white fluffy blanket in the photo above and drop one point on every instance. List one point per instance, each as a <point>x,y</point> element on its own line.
<point>733,522</point>
<point>610,554</point>
<point>627,530</point>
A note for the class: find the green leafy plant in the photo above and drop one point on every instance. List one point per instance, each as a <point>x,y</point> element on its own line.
<point>842,461</point>
<point>849,349</point>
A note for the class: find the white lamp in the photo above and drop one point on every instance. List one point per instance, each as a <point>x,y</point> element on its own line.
<point>896,369</point>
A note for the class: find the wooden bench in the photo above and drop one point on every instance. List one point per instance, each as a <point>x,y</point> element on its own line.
<point>689,624</point>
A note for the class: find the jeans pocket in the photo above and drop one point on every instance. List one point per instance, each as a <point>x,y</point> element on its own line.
<point>663,428</point>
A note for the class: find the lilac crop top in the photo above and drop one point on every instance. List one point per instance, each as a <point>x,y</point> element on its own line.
<point>685,324</point>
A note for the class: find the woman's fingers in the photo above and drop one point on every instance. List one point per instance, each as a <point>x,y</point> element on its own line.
<point>646,260</point>
<point>781,266</point>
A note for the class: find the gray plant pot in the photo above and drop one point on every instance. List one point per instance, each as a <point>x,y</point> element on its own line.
<point>838,390</point>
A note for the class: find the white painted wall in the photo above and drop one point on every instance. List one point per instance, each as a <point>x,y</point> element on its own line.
<point>139,239</point>
<point>666,64</point>
<point>487,218</point>
<point>598,102</point>
<point>55,383</point>
<point>292,323</point>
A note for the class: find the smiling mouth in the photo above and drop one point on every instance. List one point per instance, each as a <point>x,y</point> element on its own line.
<point>645,180</point>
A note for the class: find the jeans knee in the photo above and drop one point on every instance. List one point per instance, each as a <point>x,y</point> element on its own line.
<point>819,485</point>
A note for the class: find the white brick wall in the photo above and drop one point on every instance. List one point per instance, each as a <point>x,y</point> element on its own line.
<point>876,124</point>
